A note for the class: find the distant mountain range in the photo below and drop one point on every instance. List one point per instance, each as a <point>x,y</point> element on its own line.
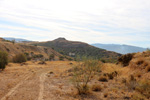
<point>122,49</point>
<point>16,39</point>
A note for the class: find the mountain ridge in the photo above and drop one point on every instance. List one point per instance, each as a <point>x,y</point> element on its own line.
<point>16,39</point>
<point>123,49</point>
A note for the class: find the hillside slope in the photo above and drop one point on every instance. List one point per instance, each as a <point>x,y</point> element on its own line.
<point>13,49</point>
<point>78,48</point>
<point>123,49</point>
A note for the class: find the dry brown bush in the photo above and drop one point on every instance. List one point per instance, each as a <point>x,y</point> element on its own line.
<point>105,95</point>
<point>96,87</point>
<point>103,79</point>
<point>19,58</point>
<point>125,59</point>
<point>132,83</point>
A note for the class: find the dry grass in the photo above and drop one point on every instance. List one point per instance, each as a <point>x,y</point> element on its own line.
<point>138,74</point>
<point>138,96</point>
<point>148,69</point>
<point>132,83</point>
<point>137,71</point>
<point>144,88</point>
<point>58,79</point>
<point>124,81</point>
<point>140,61</point>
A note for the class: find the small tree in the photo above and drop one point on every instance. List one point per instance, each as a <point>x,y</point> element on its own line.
<point>19,58</point>
<point>61,57</point>
<point>83,73</point>
<point>51,57</point>
<point>14,41</point>
<point>3,60</point>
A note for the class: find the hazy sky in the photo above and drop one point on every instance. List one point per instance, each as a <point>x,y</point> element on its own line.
<point>91,21</point>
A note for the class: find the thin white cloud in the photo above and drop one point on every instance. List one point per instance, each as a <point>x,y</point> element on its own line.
<point>105,21</point>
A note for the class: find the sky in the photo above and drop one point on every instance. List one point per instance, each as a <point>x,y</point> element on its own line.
<point>91,21</point>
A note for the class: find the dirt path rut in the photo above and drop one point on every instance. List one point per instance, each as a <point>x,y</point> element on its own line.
<point>42,79</point>
<point>15,88</point>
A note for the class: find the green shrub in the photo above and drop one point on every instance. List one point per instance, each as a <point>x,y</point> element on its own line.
<point>26,53</point>
<point>83,72</point>
<point>3,60</point>
<point>103,60</point>
<point>38,56</point>
<point>61,57</point>
<point>13,41</point>
<point>27,56</point>
<point>51,57</point>
<point>70,59</point>
<point>19,58</point>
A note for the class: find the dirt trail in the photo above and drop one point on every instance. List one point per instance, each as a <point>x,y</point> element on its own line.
<point>34,84</point>
<point>42,79</point>
<point>15,88</point>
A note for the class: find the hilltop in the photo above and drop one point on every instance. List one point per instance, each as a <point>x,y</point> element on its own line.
<point>74,48</point>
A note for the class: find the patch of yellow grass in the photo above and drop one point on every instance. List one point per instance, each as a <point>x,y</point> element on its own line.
<point>109,68</point>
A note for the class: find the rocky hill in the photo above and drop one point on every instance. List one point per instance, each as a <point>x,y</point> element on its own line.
<point>75,48</point>
<point>15,48</point>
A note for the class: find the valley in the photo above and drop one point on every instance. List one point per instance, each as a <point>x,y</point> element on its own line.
<point>74,50</point>
<point>52,75</point>
<point>52,81</point>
